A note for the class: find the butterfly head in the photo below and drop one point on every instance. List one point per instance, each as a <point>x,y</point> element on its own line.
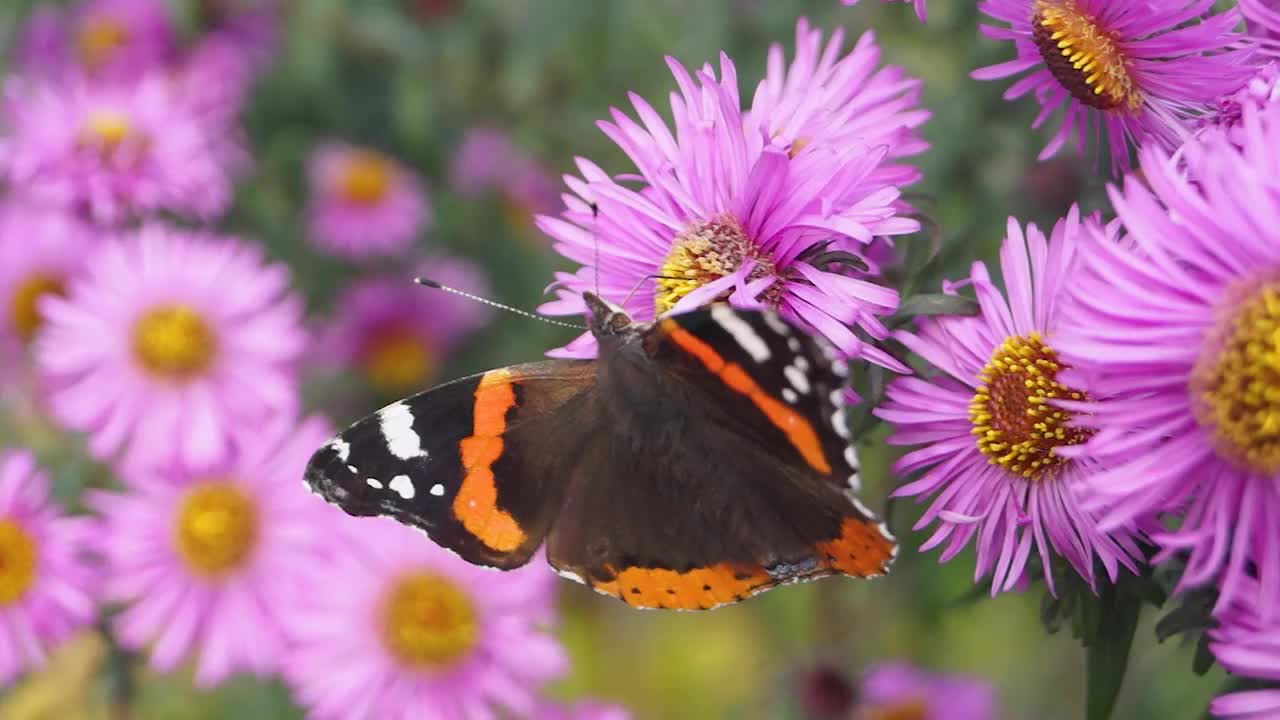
<point>607,319</point>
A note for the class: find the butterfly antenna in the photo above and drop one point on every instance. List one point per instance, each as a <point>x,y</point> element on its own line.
<point>425,282</point>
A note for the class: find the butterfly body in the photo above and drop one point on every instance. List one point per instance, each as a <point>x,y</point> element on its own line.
<point>700,459</point>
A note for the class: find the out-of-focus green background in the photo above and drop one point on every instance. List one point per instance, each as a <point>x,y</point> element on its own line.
<point>411,76</point>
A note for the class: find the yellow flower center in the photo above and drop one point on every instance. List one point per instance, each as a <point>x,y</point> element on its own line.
<point>1085,58</point>
<point>217,527</point>
<point>98,39</point>
<point>1013,417</point>
<point>707,251</point>
<point>428,621</point>
<point>174,342</point>
<point>24,305</point>
<point>1235,385</point>
<point>397,360</point>
<point>366,178</point>
<point>17,562</point>
<point>903,710</point>
<point>107,130</point>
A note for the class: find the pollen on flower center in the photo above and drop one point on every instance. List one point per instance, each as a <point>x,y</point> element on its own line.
<point>107,129</point>
<point>216,529</point>
<point>173,341</point>
<point>397,360</point>
<point>24,309</point>
<point>707,251</point>
<point>366,177</point>
<point>1013,417</point>
<point>98,39</point>
<point>1085,58</point>
<point>428,621</point>
<point>910,709</point>
<point>1235,385</point>
<point>17,562</point>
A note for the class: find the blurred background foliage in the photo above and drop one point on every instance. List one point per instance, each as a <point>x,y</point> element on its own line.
<point>410,77</point>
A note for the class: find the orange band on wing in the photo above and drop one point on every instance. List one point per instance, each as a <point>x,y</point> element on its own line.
<point>696,589</point>
<point>861,550</point>
<point>797,429</point>
<point>476,504</point>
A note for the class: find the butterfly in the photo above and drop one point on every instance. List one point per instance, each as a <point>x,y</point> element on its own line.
<point>700,459</point>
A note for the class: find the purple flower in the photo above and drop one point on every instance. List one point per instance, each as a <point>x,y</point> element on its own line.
<point>397,332</point>
<point>210,565</point>
<point>42,46</point>
<point>111,149</point>
<point>920,7</point>
<point>1247,646</point>
<point>40,251</point>
<point>898,690</point>
<point>1177,320</point>
<point>744,204</point>
<point>993,438</point>
<point>1263,18</point>
<point>418,632</point>
<point>108,39</point>
<point>46,579</point>
<point>169,341</point>
<point>487,161</point>
<point>363,203</point>
<point>1130,70</point>
<point>1261,90</point>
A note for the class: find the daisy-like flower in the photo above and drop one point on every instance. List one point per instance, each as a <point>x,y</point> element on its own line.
<point>46,577</point>
<point>921,10</point>
<point>1178,319</point>
<point>167,342</point>
<point>1131,71</point>
<point>111,149</point>
<point>898,690</point>
<point>208,566</point>
<point>746,205</point>
<point>487,161</point>
<point>992,433</point>
<point>421,632</point>
<point>396,333</point>
<point>363,203</point>
<point>1261,90</point>
<point>111,39</point>
<point>40,251</point>
<point>1247,646</point>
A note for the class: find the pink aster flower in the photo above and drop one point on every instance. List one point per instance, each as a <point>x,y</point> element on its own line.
<point>47,578</point>
<point>1178,319</point>
<point>169,341</point>
<point>743,204</point>
<point>363,202</point>
<point>420,632</point>
<point>920,7</point>
<point>41,250</point>
<point>482,160</point>
<point>121,38</point>
<point>1263,18</point>
<point>396,332</point>
<point>992,435</point>
<point>1130,70</point>
<point>1262,89</point>
<point>897,690</point>
<point>111,149</point>
<point>1247,646</point>
<point>208,566</point>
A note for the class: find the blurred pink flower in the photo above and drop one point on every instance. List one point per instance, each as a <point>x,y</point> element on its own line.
<point>898,690</point>
<point>400,628</point>
<point>42,44</point>
<point>210,565</point>
<point>488,162</point>
<point>920,7</point>
<point>110,149</point>
<point>47,578</point>
<point>108,39</point>
<point>397,332</point>
<point>167,343</point>
<point>1247,646</point>
<point>992,439</point>
<point>363,203</point>
<point>582,710</point>
<point>41,250</point>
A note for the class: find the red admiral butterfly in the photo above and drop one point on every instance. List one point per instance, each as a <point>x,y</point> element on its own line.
<point>701,459</point>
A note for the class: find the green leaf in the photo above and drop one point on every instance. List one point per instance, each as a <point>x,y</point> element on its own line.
<point>936,304</point>
<point>1107,653</point>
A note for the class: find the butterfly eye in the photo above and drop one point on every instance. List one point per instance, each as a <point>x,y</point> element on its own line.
<point>619,322</point>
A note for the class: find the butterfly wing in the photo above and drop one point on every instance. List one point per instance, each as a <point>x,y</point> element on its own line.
<point>467,461</point>
<point>735,476</point>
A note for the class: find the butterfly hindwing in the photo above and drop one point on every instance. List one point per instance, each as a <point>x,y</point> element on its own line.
<point>462,461</point>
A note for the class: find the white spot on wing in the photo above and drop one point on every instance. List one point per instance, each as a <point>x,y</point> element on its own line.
<point>741,331</point>
<point>790,395</point>
<point>800,362</point>
<point>341,447</point>
<point>397,431</point>
<point>839,423</point>
<point>851,457</point>
<point>776,324</point>
<point>437,490</point>
<point>794,345</point>
<point>374,483</point>
<point>403,486</point>
<point>797,378</point>
<point>353,469</point>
